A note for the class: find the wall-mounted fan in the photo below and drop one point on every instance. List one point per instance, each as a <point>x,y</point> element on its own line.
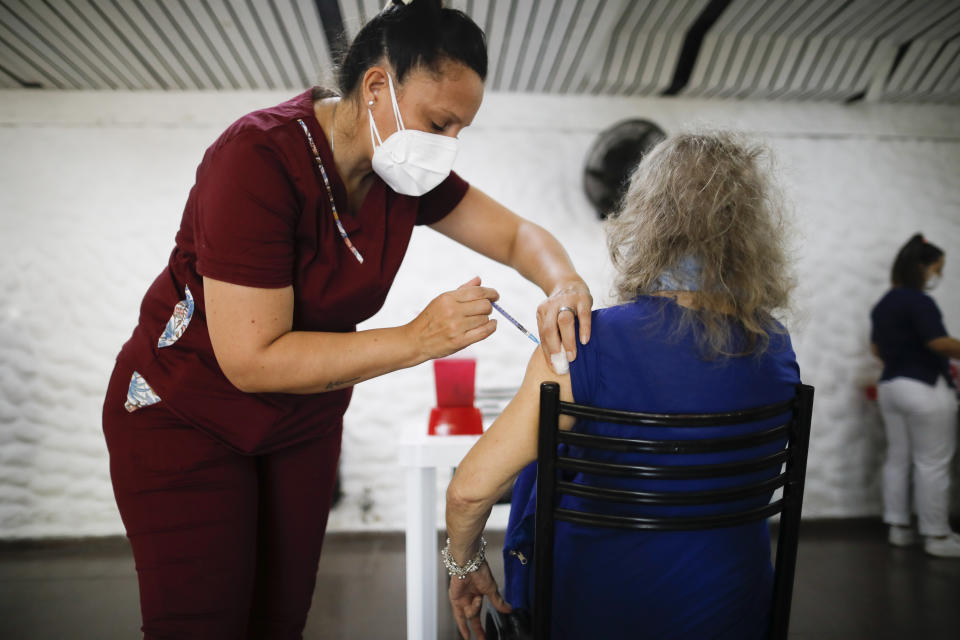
<point>611,159</point>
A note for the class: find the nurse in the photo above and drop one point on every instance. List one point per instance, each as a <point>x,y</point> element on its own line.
<point>918,401</point>
<point>224,413</point>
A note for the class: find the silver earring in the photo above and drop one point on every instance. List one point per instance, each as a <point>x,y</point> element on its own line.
<point>370,103</point>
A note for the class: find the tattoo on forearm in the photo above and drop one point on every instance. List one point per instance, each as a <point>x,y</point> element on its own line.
<point>334,384</point>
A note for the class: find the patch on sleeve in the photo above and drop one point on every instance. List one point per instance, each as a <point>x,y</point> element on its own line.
<point>139,394</point>
<point>178,322</point>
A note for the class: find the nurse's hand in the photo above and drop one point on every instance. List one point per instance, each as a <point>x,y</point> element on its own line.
<point>454,320</point>
<point>555,320</point>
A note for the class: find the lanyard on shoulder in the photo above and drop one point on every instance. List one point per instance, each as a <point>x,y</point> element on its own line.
<point>326,183</point>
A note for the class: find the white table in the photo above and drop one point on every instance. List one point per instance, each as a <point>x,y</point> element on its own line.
<point>421,455</point>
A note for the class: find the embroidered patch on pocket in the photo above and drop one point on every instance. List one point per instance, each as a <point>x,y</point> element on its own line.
<point>139,394</point>
<point>178,322</point>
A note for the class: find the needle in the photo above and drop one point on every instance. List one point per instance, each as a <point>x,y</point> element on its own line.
<point>515,323</point>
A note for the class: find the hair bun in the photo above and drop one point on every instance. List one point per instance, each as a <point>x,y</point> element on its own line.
<point>409,34</point>
<point>435,5</point>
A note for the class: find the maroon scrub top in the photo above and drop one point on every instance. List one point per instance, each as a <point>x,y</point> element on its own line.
<point>259,216</point>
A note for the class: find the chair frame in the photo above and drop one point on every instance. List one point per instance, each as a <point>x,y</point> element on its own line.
<point>549,487</point>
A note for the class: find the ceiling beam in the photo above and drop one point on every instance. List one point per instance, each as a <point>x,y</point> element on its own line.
<point>331,19</point>
<point>692,43</point>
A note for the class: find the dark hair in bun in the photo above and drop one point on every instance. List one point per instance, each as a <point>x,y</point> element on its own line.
<point>912,261</point>
<point>421,33</point>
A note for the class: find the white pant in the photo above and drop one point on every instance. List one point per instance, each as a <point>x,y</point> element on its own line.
<point>921,426</point>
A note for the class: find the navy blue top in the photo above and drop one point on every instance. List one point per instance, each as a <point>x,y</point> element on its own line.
<point>612,584</point>
<point>904,321</point>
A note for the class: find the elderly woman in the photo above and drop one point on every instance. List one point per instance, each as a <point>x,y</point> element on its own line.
<point>701,269</point>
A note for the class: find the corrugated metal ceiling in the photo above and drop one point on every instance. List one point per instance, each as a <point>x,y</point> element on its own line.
<point>835,50</point>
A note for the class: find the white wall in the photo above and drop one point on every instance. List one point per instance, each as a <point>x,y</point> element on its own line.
<point>92,187</point>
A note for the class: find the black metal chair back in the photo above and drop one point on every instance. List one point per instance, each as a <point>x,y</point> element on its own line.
<point>789,464</point>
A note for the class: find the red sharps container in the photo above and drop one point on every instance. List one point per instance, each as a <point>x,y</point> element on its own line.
<point>455,413</point>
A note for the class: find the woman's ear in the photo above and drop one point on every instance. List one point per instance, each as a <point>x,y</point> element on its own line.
<point>374,81</point>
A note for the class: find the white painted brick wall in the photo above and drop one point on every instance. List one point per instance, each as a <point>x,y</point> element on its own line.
<point>92,187</point>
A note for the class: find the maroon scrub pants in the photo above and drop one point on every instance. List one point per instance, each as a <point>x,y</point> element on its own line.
<point>226,545</point>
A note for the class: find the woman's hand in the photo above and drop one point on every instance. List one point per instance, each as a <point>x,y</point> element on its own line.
<point>489,228</point>
<point>454,320</point>
<point>555,319</point>
<point>466,599</point>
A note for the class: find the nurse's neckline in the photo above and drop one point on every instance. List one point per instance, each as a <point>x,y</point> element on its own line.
<point>352,199</point>
<point>352,165</point>
<point>357,189</point>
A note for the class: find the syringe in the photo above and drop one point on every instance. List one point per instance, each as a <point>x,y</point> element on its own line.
<point>515,323</point>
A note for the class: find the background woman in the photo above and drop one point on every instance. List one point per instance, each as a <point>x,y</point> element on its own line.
<point>698,250</point>
<point>224,413</point>
<point>917,400</point>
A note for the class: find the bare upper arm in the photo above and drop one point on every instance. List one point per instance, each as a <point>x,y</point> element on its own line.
<point>243,321</point>
<point>481,223</point>
<point>538,371</point>
<point>510,443</point>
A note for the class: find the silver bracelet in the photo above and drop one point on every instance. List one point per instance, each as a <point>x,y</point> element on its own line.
<point>456,570</point>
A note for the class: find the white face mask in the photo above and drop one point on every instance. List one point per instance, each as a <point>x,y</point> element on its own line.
<point>932,281</point>
<point>410,161</point>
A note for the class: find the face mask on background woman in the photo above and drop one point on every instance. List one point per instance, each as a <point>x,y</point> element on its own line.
<point>410,161</point>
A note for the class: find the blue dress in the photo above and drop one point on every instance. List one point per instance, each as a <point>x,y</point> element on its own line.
<point>612,584</point>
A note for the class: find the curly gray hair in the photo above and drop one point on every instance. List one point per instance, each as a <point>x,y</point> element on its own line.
<point>709,197</point>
